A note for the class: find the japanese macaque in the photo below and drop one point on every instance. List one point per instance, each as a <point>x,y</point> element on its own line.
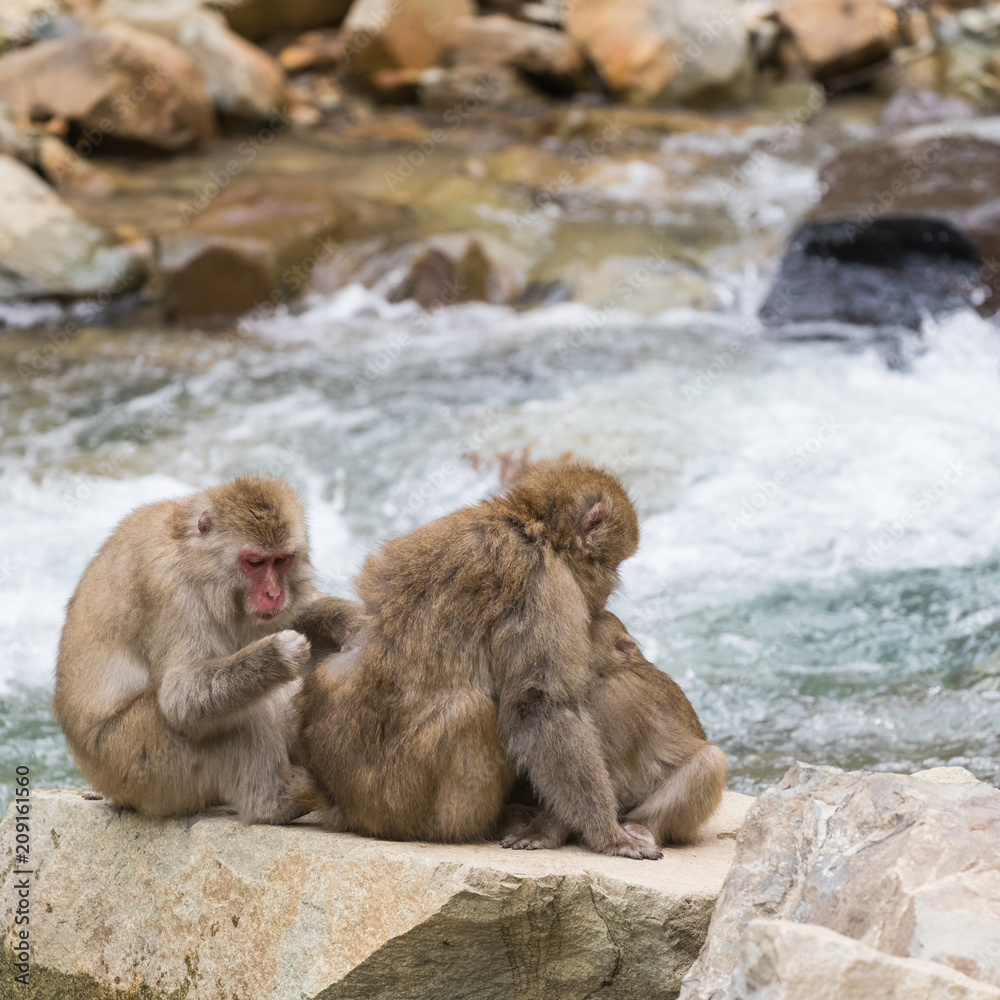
<point>472,665</point>
<point>667,778</point>
<point>182,652</point>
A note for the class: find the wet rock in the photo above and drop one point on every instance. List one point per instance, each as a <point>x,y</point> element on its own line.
<point>463,89</point>
<point>71,173</point>
<point>455,268</point>
<point>827,38</point>
<point>47,250</point>
<point>112,83</point>
<point>910,107</point>
<point>970,47</point>
<point>645,284</point>
<point>393,34</point>
<point>256,245</point>
<point>548,58</point>
<point>787,961</point>
<point>255,19</point>
<point>908,866</point>
<point>905,228</point>
<point>23,21</point>
<point>312,51</point>
<point>208,909</point>
<point>664,51</point>
<point>241,79</point>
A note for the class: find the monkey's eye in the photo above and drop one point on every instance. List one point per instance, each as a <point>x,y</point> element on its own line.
<point>281,560</point>
<point>255,562</point>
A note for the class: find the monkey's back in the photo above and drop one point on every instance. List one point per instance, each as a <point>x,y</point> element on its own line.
<point>110,611</point>
<point>648,725</point>
<point>440,597</point>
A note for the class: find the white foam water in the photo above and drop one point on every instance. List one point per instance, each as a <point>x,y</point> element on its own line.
<point>819,562</point>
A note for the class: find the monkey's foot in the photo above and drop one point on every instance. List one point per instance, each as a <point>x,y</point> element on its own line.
<point>542,833</point>
<point>332,818</point>
<point>642,833</point>
<point>627,844</point>
<point>513,819</point>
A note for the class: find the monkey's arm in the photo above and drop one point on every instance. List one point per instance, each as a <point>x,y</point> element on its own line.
<point>555,741</point>
<point>199,697</point>
<point>328,622</point>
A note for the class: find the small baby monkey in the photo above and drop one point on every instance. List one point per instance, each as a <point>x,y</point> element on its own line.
<point>667,777</point>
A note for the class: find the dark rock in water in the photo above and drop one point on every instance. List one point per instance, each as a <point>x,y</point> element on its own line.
<point>906,228</point>
<point>894,272</point>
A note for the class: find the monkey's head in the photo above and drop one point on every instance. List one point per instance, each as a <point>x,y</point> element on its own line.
<point>252,529</point>
<point>613,646</point>
<point>585,514</point>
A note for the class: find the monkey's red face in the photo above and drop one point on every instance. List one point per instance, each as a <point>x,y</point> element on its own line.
<point>266,573</point>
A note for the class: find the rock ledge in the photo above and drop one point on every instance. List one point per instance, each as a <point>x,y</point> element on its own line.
<point>206,909</point>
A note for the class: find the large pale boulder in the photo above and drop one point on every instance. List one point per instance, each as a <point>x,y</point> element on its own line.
<point>787,961</point>
<point>113,82</point>
<point>399,34</point>
<point>907,865</point>
<point>46,249</point>
<point>664,51</point>
<point>207,909</point>
<point>241,79</point>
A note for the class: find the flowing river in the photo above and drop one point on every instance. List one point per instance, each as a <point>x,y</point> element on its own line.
<point>820,556</point>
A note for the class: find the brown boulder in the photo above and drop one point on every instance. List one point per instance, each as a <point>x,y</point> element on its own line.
<point>664,51</point>
<point>545,56</point>
<point>257,244</point>
<point>255,19</point>
<point>241,79</point>
<point>399,34</point>
<point>828,37</point>
<point>115,82</point>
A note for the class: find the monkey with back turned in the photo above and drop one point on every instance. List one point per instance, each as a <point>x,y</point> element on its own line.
<point>473,664</point>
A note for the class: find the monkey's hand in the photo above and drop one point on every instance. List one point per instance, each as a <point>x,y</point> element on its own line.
<point>328,622</point>
<point>630,843</point>
<point>292,651</point>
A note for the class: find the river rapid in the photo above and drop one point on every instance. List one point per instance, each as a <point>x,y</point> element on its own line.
<point>820,558</point>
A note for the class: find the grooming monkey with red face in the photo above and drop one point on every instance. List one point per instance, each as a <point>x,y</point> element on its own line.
<point>473,663</point>
<point>182,652</point>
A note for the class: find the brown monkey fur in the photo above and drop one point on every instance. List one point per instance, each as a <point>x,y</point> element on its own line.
<point>667,777</point>
<point>174,691</point>
<point>472,664</point>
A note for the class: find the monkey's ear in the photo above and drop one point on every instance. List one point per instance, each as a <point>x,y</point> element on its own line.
<point>591,523</point>
<point>625,646</point>
<point>205,522</point>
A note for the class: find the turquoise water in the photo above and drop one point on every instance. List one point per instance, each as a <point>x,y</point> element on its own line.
<point>820,562</point>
